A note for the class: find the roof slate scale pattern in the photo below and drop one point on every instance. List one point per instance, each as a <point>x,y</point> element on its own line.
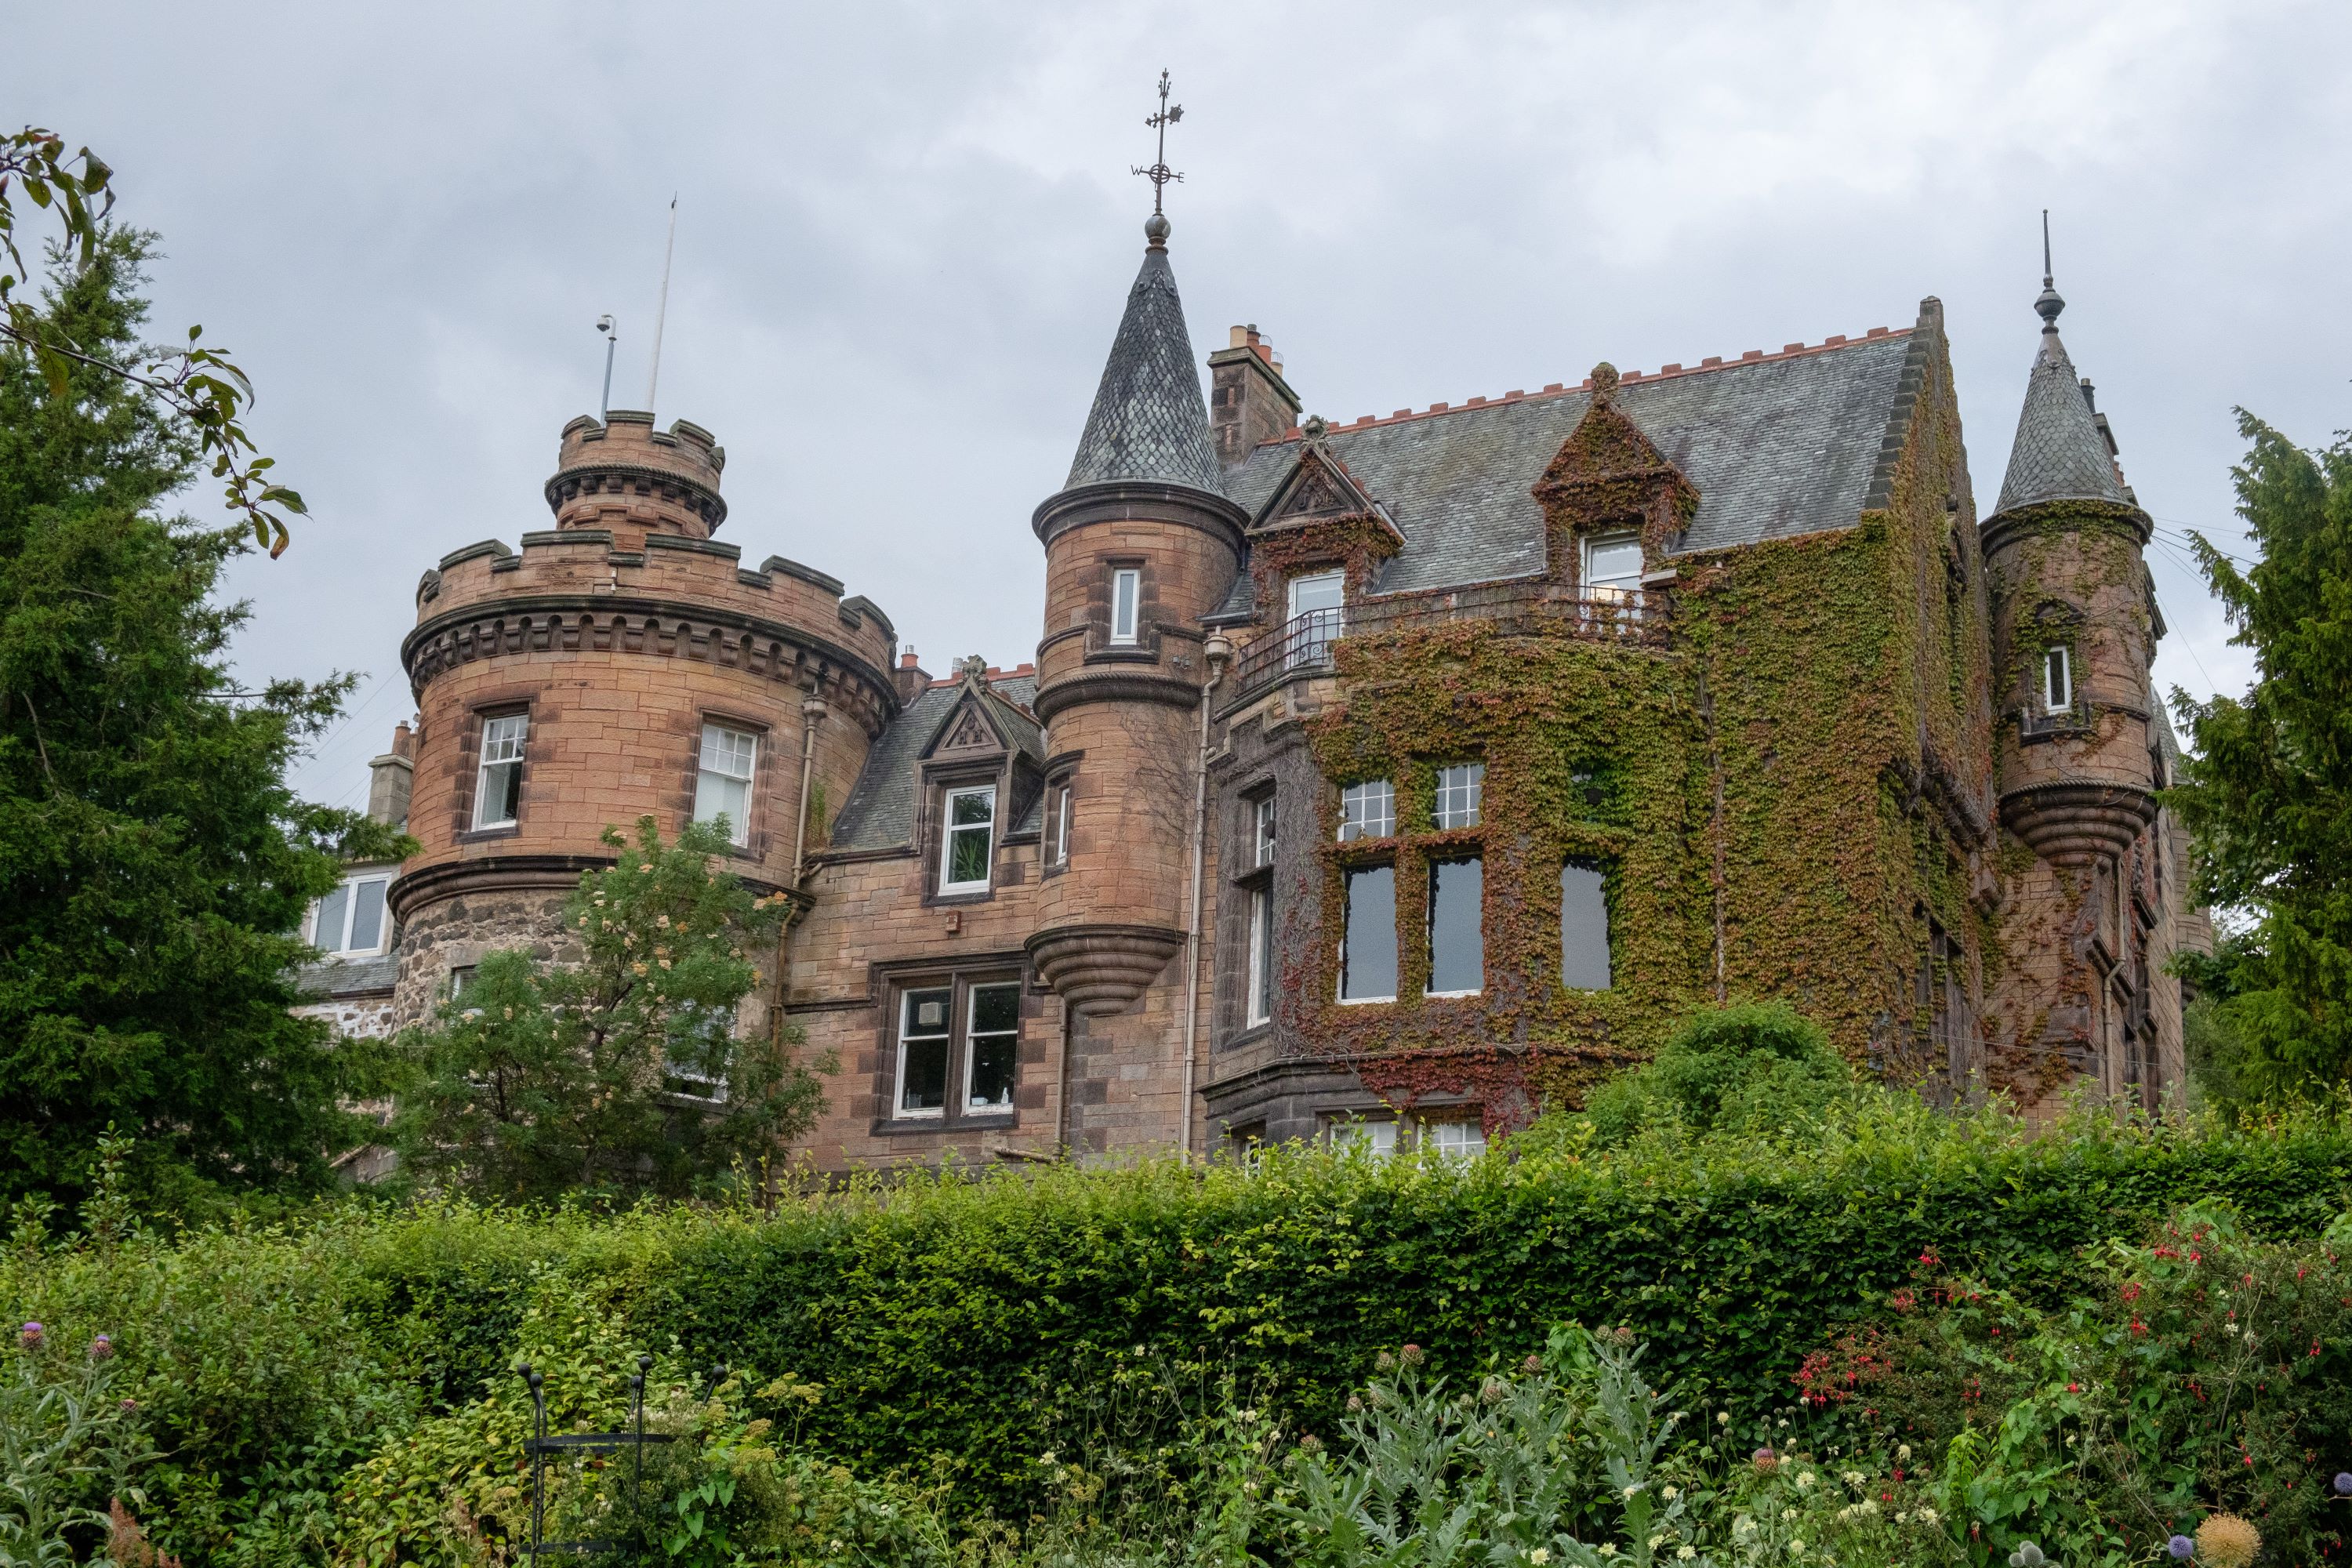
<point>1149,420</point>
<point>2060,454</point>
<point>1776,447</point>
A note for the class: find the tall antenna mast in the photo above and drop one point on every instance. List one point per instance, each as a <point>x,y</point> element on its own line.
<point>606,325</point>
<point>2045,248</point>
<point>661,313</point>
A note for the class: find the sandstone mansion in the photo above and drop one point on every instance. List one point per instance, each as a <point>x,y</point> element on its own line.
<point>1382,780</point>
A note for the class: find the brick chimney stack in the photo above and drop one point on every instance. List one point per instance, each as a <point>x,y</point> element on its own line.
<point>390,777</point>
<point>912,679</point>
<point>1248,400</point>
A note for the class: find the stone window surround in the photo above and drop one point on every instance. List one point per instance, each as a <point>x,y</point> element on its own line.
<point>1145,648</point>
<point>499,704</point>
<point>934,782</point>
<point>763,773</point>
<point>891,984</point>
<point>1249,876</point>
<point>1407,851</point>
<point>1061,771</point>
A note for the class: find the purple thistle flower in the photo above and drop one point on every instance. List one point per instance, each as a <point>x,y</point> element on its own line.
<point>2181,1547</point>
<point>100,1348</point>
<point>30,1336</point>
<point>2344,1483</point>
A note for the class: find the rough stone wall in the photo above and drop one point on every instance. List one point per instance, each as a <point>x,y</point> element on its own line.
<point>453,933</point>
<point>358,1017</point>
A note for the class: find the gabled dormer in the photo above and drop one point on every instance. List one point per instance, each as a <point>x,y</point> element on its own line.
<point>977,780</point>
<point>1614,504</point>
<point>1319,521</point>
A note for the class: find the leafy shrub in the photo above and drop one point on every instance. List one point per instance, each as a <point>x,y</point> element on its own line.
<point>1754,1066</point>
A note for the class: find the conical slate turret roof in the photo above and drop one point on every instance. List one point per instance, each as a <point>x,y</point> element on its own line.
<point>1150,421</point>
<point>2060,454</point>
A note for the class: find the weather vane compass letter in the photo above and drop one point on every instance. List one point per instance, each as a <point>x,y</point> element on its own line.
<point>1160,173</point>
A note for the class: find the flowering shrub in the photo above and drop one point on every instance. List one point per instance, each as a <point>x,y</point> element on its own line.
<point>66,1444</point>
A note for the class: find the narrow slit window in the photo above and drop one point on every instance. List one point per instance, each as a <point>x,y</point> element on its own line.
<point>1125,603</point>
<point>1261,955</point>
<point>992,1044</point>
<point>1262,832</point>
<point>927,1020</point>
<point>1059,830</point>
<point>1366,810</point>
<point>969,838</point>
<point>1461,792</point>
<point>1457,945</point>
<point>498,788</point>
<point>1584,964</point>
<point>1368,948</point>
<point>722,788</point>
<point>2057,681</point>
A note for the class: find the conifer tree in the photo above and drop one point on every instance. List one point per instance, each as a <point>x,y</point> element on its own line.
<point>154,866</point>
<point>2267,796</point>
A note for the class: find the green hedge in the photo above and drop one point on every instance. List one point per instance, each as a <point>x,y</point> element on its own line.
<point>961,1325</point>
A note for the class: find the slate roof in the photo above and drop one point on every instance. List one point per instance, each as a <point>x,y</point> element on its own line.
<point>348,976</point>
<point>1778,445</point>
<point>1149,420</point>
<point>2060,454</point>
<point>880,811</point>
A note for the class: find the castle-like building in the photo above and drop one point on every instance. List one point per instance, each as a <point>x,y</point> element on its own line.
<point>1385,780</point>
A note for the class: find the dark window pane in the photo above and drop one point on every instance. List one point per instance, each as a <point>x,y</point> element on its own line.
<point>995,1009</point>
<point>1583,928</point>
<point>367,916</point>
<point>1458,946</point>
<point>992,1072</point>
<point>968,856</point>
<point>332,911</point>
<point>1368,968</point>
<point>923,1080</point>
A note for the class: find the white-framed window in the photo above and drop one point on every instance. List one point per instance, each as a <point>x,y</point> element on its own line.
<point>1612,566</point>
<point>1261,954</point>
<point>1453,1140</point>
<point>1366,810</point>
<point>961,1040</point>
<point>1367,944</point>
<point>1375,1137</point>
<point>992,1046</point>
<point>351,918</point>
<point>1058,827</point>
<point>1126,605</point>
<point>1457,940</point>
<point>1262,831</point>
<point>723,786</point>
<point>1584,962</point>
<point>700,1050</point>
<point>1317,617</point>
<point>2057,681</point>
<point>926,1025</point>
<point>1461,792</point>
<point>967,838</point>
<point>498,786</point>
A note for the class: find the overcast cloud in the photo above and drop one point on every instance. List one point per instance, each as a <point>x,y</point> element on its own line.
<point>906,232</point>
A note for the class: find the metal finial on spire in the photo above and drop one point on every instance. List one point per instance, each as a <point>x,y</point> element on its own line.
<point>2048,306</point>
<point>1155,227</point>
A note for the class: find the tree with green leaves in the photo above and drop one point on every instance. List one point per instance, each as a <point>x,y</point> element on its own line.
<point>204,392</point>
<point>620,1066</point>
<point>154,866</point>
<point>2267,794</point>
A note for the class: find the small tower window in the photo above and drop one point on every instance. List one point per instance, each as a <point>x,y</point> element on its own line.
<point>1057,824</point>
<point>2057,681</point>
<point>1262,831</point>
<point>1366,810</point>
<point>966,846</point>
<point>497,789</point>
<point>722,788</point>
<point>1126,605</point>
<point>1461,791</point>
<point>1368,949</point>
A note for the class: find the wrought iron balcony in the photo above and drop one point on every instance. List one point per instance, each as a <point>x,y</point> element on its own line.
<point>1304,644</point>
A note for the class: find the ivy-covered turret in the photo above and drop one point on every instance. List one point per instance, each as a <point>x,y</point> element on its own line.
<point>2075,627</point>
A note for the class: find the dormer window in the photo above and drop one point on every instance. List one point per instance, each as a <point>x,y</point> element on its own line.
<point>2057,681</point>
<point>1317,616</point>
<point>1126,606</point>
<point>1613,567</point>
<point>969,840</point>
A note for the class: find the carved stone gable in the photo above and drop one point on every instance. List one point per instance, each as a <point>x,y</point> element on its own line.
<point>969,732</point>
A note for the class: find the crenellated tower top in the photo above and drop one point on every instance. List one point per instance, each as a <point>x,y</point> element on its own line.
<point>625,476</point>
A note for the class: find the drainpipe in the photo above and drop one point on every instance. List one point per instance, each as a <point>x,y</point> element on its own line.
<point>1217,650</point>
<point>812,712</point>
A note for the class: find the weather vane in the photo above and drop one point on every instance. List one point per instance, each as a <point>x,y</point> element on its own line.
<point>1160,173</point>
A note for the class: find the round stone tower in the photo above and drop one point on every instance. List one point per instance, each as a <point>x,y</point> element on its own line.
<point>1140,543</point>
<point>618,665</point>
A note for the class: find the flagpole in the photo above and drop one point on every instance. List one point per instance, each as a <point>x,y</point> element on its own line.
<point>661,313</point>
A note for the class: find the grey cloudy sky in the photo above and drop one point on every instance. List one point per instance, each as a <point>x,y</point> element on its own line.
<point>906,232</point>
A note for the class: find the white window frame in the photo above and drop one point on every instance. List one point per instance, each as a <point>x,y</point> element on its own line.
<point>1060,849</point>
<point>738,831</point>
<point>949,832</point>
<point>340,947</point>
<point>1260,1005</point>
<point>900,1109</point>
<point>1618,587</point>
<point>1453,1140</point>
<point>1127,607</point>
<point>1327,630</point>
<point>2057,673</point>
<point>1262,831</point>
<point>506,738</point>
<point>1375,1135</point>
<point>1459,799</point>
<point>970,999</point>
<point>1356,803</point>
